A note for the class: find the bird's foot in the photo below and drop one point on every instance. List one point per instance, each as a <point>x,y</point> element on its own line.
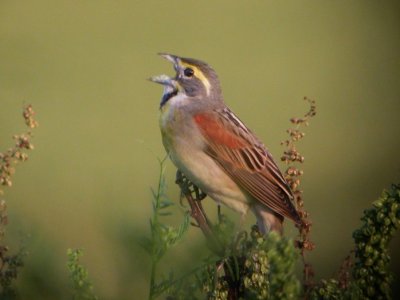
<point>188,187</point>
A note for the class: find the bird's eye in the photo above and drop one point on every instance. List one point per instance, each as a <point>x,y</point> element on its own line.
<point>188,72</point>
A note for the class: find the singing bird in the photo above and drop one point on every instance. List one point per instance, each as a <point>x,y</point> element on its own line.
<point>215,150</point>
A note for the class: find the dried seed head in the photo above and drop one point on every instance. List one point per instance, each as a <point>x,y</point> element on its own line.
<point>28,115</point>
<point>16,154</point>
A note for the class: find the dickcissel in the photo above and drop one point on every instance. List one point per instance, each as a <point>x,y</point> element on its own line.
<point>209,144</point>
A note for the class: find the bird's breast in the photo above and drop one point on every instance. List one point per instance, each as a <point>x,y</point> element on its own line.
<point>171,123</point>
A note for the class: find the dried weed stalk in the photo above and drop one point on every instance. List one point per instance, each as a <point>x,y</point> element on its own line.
<point>292,157</point>
<point>9,263</point>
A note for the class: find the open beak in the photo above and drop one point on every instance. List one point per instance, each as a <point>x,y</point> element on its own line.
<point>165,79</point>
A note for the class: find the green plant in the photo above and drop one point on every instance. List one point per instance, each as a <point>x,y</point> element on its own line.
<point>82,287</point>
<point>253,266</point>
<point>368,276</point>
<point>162,236</point>
<point>372,240</point>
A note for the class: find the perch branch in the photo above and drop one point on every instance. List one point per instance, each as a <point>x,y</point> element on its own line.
<point>194,196</point>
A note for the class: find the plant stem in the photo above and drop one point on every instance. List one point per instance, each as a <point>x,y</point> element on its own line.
<point>154,231</point>
<point>152,279</point>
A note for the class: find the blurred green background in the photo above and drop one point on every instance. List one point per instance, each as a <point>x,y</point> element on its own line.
<point>83,65</point>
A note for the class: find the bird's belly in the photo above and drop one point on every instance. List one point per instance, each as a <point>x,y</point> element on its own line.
<point>204,172</point>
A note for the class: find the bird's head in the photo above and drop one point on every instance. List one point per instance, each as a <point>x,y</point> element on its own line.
<point>194,79</point>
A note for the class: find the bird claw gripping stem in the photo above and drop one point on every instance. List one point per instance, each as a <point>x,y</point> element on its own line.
<point>194,196</point>
<point>188,187</point>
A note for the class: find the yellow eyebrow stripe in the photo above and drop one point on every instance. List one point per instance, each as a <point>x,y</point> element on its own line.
<point>200,75</point>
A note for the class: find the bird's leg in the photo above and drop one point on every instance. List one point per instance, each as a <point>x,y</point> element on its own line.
<point>200,195</point>
<point>242,221</point>
<point>179,180</point>
<point>188,187</point>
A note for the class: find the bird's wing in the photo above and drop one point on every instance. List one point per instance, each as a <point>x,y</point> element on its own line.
<point>246,160</point>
